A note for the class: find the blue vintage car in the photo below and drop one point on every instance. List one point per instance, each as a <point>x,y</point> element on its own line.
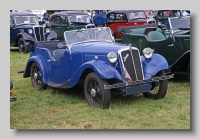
<point>22,25</point>
<point>99,19</point>
<point>91,57</point>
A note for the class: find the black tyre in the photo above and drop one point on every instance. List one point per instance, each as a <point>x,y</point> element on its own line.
<point>11,84</point>
<point>159,88</point>
<point>94,91</point>
<point>22,47</point>
<point>188,71</point>
<point>36,77</point>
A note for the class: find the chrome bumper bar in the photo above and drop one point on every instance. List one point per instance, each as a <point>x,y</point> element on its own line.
<point>118,85</point>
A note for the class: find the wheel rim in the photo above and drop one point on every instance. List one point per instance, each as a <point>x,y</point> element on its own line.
<point>37,79</point>
<point>94,93</point>
<point>22,48</point>
<point>155,88</point>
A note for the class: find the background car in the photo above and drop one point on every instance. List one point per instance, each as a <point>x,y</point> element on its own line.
<point>91,58</point>
<point>162,16</point>
<point>173,44</point>
<point>117,18</point>
<point>99,19</point>
<point>22,23</point>
<point>69,20</point>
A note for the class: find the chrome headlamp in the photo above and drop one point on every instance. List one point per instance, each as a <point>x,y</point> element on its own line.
<point>30,31</point>
<point>147,52</point>
<point>112,57</point>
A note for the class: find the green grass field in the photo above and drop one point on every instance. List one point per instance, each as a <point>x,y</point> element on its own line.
<point>68,109</point>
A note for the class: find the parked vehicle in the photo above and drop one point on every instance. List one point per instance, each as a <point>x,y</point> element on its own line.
<point>91,57</point>
<point>11,93</point>
<point>118,18</point>
<point>99,19</point>
<point>162,16</point>
<point>173,44</point>
<point>69,20</point>
<point>21,24</point>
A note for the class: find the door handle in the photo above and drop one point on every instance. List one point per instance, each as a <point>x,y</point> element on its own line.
<point>171,45</point>
<point>49,60</point>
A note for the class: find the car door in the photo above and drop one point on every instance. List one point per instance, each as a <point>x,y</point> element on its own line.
<point>60,68</point>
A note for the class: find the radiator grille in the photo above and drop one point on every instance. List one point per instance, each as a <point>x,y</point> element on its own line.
<point>39,33</point>
<point>131,61</point>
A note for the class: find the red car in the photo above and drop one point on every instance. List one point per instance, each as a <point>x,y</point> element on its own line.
<point>116,18</point>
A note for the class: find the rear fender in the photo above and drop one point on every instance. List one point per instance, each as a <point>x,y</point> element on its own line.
<point>153,65</point>
<point>40,63</point>
<point>102,69</point>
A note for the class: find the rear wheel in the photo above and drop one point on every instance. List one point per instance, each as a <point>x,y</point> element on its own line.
<point>159,88</point>
<point>36,77</point>
<point>22,47</point>
<point>94,91</point>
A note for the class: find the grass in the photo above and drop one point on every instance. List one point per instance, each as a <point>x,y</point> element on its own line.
<point>68,109</point>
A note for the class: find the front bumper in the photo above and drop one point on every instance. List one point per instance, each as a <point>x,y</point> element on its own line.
<point>13,99</point>
<point>138,86</point>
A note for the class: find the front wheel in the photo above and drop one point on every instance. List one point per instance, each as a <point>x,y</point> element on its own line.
<point>22,47</point>
<point>159,88</point>
<point>94,91</point>
<point>36,77</point>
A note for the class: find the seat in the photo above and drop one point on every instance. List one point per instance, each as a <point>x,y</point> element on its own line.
<point>155,35</point>
<point>162,31</point>
<point>137,31</point>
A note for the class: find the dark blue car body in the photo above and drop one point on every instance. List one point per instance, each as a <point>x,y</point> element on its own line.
<point>99,18</point>
<point>19,31</point>
<point>88,62</point>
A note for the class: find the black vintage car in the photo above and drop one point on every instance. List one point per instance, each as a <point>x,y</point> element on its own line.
<point>23,24</point>
<point>162,16</point>
<point>69,20</point>
<point>173,44</point>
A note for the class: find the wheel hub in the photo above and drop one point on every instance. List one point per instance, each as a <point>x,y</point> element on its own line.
<point>93,92</point>
<point>35,76</point>
<point>22,46</point>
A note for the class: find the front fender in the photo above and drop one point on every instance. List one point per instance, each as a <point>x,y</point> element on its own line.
<point>102,69</point>
<point>40,63</point>
<point>153,65</point>
<point>27,37</point>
